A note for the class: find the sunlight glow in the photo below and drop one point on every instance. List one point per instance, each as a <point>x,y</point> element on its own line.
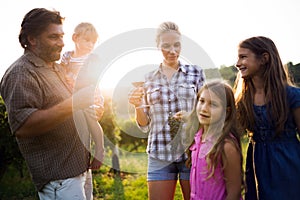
<point>218,29</point>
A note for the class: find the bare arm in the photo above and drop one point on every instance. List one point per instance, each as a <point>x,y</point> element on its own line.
<point>141,117</point>
<point>232,172</point>
<point>41,121</point>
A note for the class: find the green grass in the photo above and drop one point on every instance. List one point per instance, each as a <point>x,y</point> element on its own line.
<point>131,184</point>
<point>126,186</point>
<point>13,187</point>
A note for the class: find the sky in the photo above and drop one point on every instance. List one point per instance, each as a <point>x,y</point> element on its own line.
<point>217,26</point>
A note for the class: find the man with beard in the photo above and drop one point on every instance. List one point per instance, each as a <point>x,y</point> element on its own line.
<point>42,110</point>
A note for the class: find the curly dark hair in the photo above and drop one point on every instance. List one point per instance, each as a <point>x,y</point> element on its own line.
<point>35,22</point>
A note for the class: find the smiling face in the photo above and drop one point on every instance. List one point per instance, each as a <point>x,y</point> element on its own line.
<point>248,63</point>
<point>49,44</point>
<point>170,46</point>
<point>209,108</point>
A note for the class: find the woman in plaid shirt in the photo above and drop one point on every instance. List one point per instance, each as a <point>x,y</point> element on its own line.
<point>168,91</point>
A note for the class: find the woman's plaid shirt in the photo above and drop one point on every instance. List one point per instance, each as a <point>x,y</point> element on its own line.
<point>165,99</point>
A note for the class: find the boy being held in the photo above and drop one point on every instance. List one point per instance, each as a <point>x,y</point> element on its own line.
<point>84,37</point>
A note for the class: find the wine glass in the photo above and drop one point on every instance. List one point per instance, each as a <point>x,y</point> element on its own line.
<point>138,84</point>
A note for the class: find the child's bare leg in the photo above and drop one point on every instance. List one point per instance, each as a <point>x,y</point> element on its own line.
<point>97,136</point>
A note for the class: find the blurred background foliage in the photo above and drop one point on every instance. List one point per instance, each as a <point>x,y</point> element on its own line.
<point>15,181</point>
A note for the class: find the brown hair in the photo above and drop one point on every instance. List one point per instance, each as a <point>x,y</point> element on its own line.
<point>276,80</point>
<point>228,125</point>
<point>35,22</point>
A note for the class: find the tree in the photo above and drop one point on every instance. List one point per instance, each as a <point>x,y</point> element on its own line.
<point>228,73</point>
<point>294,72</point>
<point>132,138</point>
<point>9,150</point>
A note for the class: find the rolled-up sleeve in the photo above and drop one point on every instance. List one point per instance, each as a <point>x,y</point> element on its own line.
<point>22,96</point>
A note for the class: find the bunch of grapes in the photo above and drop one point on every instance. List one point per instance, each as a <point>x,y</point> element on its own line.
<point>174,126</point>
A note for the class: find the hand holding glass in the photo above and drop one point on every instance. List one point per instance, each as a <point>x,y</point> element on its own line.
<point>140,84</point>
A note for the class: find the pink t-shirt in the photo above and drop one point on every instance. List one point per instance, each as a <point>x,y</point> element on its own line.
<point>201,187</point>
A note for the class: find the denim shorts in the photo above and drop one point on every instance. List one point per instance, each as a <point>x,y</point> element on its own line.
<point>159,170</point>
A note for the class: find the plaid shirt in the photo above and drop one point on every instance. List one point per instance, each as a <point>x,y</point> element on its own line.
<point>30,85</point>
<point>165,99</point>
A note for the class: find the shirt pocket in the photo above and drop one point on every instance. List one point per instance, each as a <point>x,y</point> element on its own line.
<point>153,95</point>
<point>186,94</point>
<point>186,91</point>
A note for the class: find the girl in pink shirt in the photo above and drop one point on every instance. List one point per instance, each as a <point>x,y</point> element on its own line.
<point>215,155</point>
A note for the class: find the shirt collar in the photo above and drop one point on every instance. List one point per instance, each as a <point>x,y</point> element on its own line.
<point>37,61</point>
<point>180,68</point>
